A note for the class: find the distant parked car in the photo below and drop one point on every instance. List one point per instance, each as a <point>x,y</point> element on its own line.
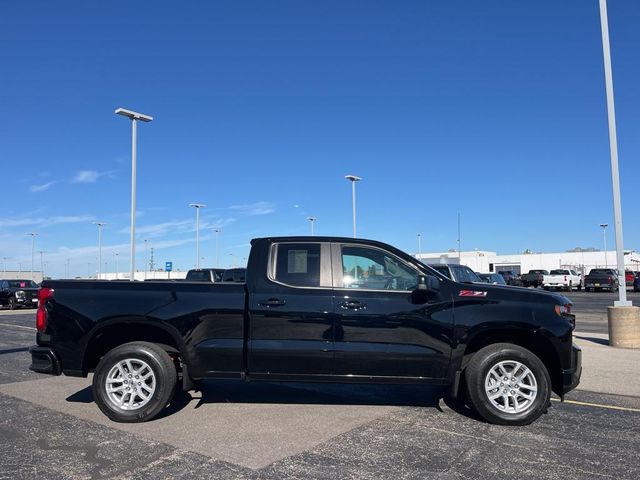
<point>493,278</point>
<point>636,284</point>
<point>534,278</point>
<point>19,293</point>
<point>602,279</point>
<point>458,273</point>
<point>629,278</point>
<point>512,278</point>
<point>563,279</point>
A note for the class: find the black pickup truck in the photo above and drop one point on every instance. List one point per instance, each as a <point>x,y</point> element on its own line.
<point>313,309</point>
<point>602,279</point>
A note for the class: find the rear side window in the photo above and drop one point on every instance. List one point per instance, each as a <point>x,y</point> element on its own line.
<point>298,264</point>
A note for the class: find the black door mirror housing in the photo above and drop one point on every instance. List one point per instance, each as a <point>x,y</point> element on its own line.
<point>426,284</point>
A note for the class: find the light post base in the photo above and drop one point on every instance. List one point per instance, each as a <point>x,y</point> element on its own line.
<point>624,326</point>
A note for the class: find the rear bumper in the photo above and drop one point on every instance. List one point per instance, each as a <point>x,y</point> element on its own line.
<point>571,376</point>
<point>44,360</point>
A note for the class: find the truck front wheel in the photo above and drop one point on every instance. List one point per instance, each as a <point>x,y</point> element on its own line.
<point>508,385</point>
<point>134,382</point>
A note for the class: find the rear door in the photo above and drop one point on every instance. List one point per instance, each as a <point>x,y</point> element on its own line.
<point>291,313</point>
<point>379,331</point>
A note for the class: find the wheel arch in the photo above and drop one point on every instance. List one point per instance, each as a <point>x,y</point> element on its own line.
<point>120,330</point>
<point>536,342</point>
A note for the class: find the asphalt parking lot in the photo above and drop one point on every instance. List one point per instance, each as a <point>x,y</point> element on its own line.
<point>50,428</point>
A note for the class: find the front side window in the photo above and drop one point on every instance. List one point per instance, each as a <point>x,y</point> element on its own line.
<point>373,269</point>
<point>298,264</point>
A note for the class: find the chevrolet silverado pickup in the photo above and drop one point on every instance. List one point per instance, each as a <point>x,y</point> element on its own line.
<point>313,309</point>
<point>602,279</point>
<point>534,278</point>
<point>563,279</point>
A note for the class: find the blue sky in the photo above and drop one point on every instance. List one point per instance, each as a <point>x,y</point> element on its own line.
<point>492,109</point>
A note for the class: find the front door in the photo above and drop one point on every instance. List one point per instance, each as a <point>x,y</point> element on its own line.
<point>380,332</point>
<point>291,313</point>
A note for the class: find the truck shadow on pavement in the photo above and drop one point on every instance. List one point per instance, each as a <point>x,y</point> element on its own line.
<point>240,392</point>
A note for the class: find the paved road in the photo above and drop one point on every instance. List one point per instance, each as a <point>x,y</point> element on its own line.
<point>50,428</point>
<point>591,309</point>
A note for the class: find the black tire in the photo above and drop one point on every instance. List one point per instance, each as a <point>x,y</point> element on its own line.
<point>478,370</point>
<point>162,367</point>
<point>570,287</point>
<point>13,305</point>
<point>636,289</point>
<point>580,287</point>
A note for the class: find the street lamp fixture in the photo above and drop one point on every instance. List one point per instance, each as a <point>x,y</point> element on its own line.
<point>100,225</point>
<point>217,232</point>
<point>197,206</point>
<point>353,179</point>
<point>33,247</point>
<point>312,221</point>
<point>604,234</point>
<point>419,235</point>
<point>134,117</point>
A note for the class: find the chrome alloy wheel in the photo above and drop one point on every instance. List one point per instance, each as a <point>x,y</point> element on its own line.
<point>511,387</point>
<point>130,384</point>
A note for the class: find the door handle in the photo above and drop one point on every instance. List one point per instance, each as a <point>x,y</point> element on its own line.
<point>273,302</point>
<point>353,305</point>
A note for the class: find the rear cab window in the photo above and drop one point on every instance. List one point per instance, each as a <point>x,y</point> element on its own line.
<point>301,264</point>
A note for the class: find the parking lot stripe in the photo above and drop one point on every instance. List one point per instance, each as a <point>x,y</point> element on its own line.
<point>598,405</point>
<point>16,326</point>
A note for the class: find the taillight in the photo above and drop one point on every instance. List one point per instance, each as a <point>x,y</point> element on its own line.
<point>44,294</point>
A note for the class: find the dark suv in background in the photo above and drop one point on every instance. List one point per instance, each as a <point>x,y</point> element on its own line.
<point>19,294</point>
<point>512,278</point>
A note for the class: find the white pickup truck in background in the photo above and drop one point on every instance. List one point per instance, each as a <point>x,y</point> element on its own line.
<point>562,279</point>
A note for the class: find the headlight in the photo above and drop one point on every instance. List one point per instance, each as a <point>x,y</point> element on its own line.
<point>562,310</point>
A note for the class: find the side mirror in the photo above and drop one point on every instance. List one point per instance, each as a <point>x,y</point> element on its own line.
<point>427,282</point>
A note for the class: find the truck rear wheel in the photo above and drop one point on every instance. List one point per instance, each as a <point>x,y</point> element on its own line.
<point>508,385</point>
<point>134,382</point>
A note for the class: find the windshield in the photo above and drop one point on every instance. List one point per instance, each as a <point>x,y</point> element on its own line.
<point>559,272</point>
<point>465,274</point>
<point>22,284</point>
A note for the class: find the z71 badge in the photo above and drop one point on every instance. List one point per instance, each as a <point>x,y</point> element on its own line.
<point>472,293</point>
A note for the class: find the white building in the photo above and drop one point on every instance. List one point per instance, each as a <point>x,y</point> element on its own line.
<point>483,261</point>
<point>21,275</point>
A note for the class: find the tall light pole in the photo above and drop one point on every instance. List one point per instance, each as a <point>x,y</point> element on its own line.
<point>419,245</point>
<point>116,254</point>
<point>233,260</point>
<point>42,252</point>
<point>353,179</point>
<point>33,248</point>
<point>217,232</point>
<point>613,146</point>
<point>4,266</point>
<point>312,220</point>
<point>197,206</point>
<point>604,234</point>
<point>100,225</point>
<point>134,117</point>
<point>146,257</point>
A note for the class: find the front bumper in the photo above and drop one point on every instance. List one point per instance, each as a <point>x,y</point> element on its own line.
<point>571,376</point>
<point>44,360</point>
